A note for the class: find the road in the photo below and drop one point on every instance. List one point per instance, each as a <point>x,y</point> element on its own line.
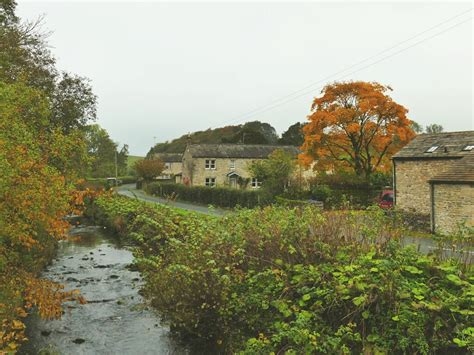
<point>424,245</point>
<point>129,190</point>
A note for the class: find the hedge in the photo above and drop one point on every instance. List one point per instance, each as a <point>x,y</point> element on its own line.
<point>216,196</point>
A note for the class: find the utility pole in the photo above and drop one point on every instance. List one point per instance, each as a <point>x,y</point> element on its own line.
<point>116,169</point>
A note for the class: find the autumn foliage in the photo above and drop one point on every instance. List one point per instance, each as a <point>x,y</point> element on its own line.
<point>41,151</point>
<point>148,169</point>
<point>355,126</point>
<point>36,191</point>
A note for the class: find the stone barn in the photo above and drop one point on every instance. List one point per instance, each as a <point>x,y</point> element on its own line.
<point>452,196</point>
<point>425,179</point>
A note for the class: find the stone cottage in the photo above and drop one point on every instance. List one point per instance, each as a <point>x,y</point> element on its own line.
<point>420,167</point>
<point>225,164</point>
<point>173,166</point>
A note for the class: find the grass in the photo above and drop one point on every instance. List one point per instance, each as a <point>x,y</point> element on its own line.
<point>132,159</point>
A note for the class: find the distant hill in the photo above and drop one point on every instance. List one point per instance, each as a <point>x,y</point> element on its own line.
<point>255,132</point>
<point>131,160</point>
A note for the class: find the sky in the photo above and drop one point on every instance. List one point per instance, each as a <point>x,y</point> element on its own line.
<point>164,69</point>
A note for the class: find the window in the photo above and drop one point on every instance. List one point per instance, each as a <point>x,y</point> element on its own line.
<point>232,164</point>
<point>210,164</point>
<point>167,166</point>
<point>468,148</point>
<point>255,183</point>
<point>432,149</point>
<point>211,182</point>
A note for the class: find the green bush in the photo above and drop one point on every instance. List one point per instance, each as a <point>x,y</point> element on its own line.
<point>321,192</point>
<point>216,196</point>
<point>338,190</point>
<point>295,281</point>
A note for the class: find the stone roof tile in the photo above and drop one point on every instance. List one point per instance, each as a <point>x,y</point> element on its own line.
<point>449,145</point>
<point>169,157</point>
<point>461,171</point>
<point>242,151</point>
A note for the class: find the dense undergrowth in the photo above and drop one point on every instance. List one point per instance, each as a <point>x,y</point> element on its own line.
<point>278,280</point>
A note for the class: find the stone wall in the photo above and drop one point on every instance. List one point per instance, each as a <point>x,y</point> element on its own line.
<point>413,189</point>
<point>223,167</point>
<point>453,203</point>
<point>173,169</point>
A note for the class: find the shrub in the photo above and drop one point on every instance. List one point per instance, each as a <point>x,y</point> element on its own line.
<point>279,280</point>
<point>217,196</point>
<point>342,188</point>
<point>321,192</point>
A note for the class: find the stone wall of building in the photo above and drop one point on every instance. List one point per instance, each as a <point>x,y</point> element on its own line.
<point>171,169</point>
<point>453,204</point>
<point>195,172</point>
<point>198,173</point>
<point>413,189</point>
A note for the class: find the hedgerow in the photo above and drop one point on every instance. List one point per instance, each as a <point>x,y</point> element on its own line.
<point>277,280</point>
<point>217,196</point>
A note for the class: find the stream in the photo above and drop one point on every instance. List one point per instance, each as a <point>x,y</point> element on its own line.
<point>115,320</point>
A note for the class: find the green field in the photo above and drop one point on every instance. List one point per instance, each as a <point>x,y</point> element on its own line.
<point>132,159</point>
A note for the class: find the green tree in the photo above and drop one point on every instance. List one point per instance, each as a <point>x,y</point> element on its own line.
<point>274,172</point>
<point>293,135</point>
<point>73,102</point>
<point>7,12</point>
<point>25,57</point>
<point>434,128</point>
<point>39,164</point>
<point>416,127</point>
<point>255,132</point>
<point>103,152</point>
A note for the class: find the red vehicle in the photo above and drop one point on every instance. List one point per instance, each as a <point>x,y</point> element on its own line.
<point>386,199</point>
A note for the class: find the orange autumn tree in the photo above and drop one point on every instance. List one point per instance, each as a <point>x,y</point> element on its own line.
<point>355,126</point>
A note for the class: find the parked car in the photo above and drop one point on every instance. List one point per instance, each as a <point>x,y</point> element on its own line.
<point>111,181</point>
<point>386,199</point>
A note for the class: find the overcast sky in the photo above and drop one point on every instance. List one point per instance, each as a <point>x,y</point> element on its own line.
<point>165,69</point>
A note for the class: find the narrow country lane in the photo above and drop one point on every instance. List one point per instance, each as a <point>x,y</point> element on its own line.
<point>129,190</point>
<point>115,320</point>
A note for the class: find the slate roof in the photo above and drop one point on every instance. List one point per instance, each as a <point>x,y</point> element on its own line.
<point>461,171</point>
<point>450,145</point>
<point>170,157</point>
<point>242,151</point>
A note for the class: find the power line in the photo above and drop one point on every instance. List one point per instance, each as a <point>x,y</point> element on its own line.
<point>290,97</point>
<point>360,69</point>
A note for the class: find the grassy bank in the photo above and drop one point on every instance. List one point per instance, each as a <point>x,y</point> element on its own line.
<point>295,281</point>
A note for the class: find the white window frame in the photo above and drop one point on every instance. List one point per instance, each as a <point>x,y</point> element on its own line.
<point>210,164</point>
<point>210,182</point>
<point>232,164</point>
<point>432,149</point>
<point>255,184</point>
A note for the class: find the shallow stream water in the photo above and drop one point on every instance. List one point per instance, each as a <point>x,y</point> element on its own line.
<point>115,319</point>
